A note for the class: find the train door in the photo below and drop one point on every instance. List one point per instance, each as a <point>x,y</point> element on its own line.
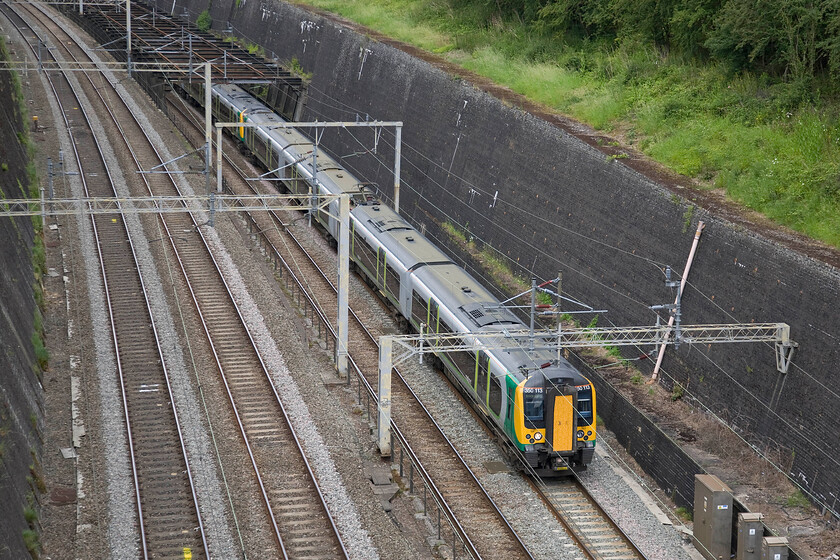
<point>241,118</point>
<point>433,317</point>
<point>560,421</point>
<point>381,270</point>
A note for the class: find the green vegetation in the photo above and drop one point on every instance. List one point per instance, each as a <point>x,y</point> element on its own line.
<point>296,68</point>
<point>737,94</point>
<point>684,514</point>
<point>204,21</point>
<point>495,265</point>
<point>677,392</point>
<point>797,500</point>
<point>30,514</point>
<point>42,355</point>
<point>32,541</point>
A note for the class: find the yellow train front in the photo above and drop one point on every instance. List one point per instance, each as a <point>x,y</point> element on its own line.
<point>554,419</point>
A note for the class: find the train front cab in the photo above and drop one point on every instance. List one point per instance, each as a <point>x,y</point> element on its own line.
<point>555,423</point>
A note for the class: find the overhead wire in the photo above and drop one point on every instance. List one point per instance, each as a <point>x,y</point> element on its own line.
<point>536,217</point>
<point>607,245</point>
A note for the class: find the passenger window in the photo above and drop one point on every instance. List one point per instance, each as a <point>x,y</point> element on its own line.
<point>494,400</point>
<point>483,370</point>
<point>393,281</point>
<point>418,310</point>
<point>465,361</point>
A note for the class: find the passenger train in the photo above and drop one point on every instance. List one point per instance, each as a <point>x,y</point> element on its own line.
<point>543,405</point>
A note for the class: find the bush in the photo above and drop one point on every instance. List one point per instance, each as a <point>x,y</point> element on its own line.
<point>31,540</point>
<point>204,21</point>
<point>41,352</point>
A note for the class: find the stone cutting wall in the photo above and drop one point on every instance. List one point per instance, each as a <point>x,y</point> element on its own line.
<point>544,193</point>
<point>20,390</point>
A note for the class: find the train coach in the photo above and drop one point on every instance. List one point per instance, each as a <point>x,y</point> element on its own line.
<point>542,404</point>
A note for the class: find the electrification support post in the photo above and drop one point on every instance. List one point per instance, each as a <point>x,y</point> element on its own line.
<point>128,34</point>
<point>208,131</point>
<point>44,222</point>
<point>533,311</point>
<point>314,182</point>
<point>190,72</point>
<point>50,178</point>
<point>661,353</point>
<point>384,425</point>
<point>219,160</point>
<point>397,155</point>
<point>341,349</point>
<point>559,315</point>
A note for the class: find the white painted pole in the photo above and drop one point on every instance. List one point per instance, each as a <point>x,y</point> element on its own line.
<point>397,155</point>
<point>661,354</point>
<point>128,34</point>
<point>385,364</point>
<point>208,124</point>
<point>219,160</point>
<point>341,349</point>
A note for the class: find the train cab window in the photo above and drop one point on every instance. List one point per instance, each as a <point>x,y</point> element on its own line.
<point>483,371</point>
<point>584,407</point>
<point>494,400</point>
<point>533,405</point>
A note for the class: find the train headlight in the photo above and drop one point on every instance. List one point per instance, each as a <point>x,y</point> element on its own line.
<point>589,433</point>
<point>585,438</point>
<point>580,433</point>
<point>538,436</point>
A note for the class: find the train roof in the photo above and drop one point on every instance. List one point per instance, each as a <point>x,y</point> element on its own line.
<point>405,243</point>
<point>296,145</point>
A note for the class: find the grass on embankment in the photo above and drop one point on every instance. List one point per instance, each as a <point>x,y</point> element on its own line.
<point>744,134</point>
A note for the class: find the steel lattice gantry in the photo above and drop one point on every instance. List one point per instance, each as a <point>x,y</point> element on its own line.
<point>179,49</point>
<point>394,349</point>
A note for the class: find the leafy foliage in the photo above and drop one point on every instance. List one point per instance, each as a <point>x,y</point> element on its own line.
<point>793,39</point>
<point>204,21</point>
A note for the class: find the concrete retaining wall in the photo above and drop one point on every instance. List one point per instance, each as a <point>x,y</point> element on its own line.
<point>20,391</point>
<point>549,197</point>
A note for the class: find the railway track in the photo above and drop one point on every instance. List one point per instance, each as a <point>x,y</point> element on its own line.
<point>590,526</point>
<point>593,528</point>
<point>301,523</point>
<point>167,506</point>
<point>484,524</point>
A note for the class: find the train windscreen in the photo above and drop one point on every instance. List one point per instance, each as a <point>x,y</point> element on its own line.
<point>533,403</point>
<point>584,407</point>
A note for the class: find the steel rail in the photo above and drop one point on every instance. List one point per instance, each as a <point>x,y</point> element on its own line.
<point>111,312</point>
<point>316,306</point>
<point>577,535</point>
<point>216,356</point>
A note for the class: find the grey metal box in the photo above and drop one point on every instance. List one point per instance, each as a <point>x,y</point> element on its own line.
<point>750,535</point>
<point>712,517</point>
<point>774,548</point>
